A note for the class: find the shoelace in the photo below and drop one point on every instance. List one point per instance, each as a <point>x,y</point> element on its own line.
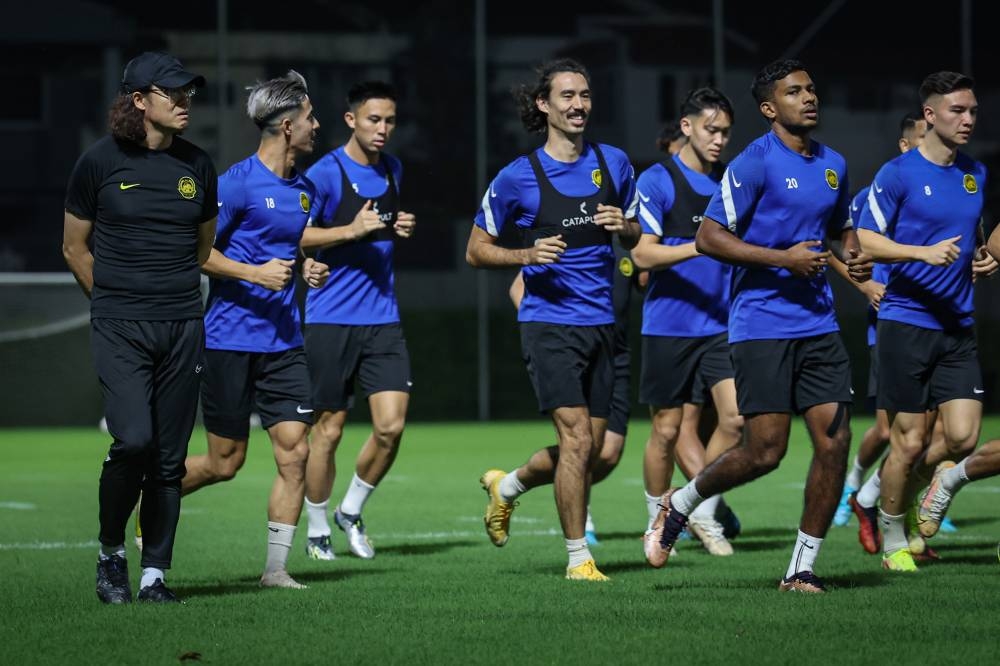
<point>939,503</point>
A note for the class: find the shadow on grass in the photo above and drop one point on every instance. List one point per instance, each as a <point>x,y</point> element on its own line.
<point>426,548</point>
<point>759,545</point>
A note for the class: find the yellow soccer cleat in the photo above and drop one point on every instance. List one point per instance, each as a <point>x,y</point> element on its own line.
<point>497,518</point>
<point>586,571</point>
<point>899,560</point>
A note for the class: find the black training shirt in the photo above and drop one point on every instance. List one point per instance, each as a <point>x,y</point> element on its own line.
<point>146,206</point>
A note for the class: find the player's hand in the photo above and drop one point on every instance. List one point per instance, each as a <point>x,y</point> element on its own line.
<point>546,250</point>
<point>859,266</point>
<point>983,264</point>
<point>610,217</point>
<point>804,262</point>
<point>942,253</point>
<point>873,291</point>
<point>406,224</point>
<point>315,273</point>
<point>275,274</point>
<point>365,222</point>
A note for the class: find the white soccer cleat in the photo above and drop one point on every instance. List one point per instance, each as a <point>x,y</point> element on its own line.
<point>357,540</point>
<point>280,578</point>
<point>709,531</point>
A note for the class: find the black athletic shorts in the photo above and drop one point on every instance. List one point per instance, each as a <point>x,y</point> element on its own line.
<point>790,376</point>
<point>234,383</point>
<point>375,356</point>
<point>621,403</point>
<point>872,373</point>
<point>920,368</point>
<point>677,370</point>
<point>570,366</point>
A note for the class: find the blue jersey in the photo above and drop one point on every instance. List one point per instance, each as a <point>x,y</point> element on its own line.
<point>362,286</point>
<point>576,290</point>
<point>689,299</point>
<point>775,198</point>
<point>916,202</point>
<point>261,217</point>
<point>880,272</point>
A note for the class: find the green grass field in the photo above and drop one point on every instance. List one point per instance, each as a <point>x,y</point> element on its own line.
<point>439,592</point>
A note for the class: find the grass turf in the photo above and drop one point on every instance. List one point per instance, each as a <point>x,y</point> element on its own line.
<point>439,592</point>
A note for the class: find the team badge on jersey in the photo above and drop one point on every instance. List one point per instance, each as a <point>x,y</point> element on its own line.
<point>186,187</point>
<point>304,202</point>
<point>831,179</point>
<point>626,267</point>
<point>969,181</point>
<point>596,177</point>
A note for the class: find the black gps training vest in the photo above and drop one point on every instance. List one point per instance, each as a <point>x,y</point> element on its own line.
<point>573,217</point>
<point>683,218</point>
<point>386,205</point>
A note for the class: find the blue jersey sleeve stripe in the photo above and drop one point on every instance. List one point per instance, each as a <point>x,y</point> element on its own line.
<point>491,225</point>
<point>876,211</point>
<point>633,204</point>
<point>650,220</point>
<point>727,202</point>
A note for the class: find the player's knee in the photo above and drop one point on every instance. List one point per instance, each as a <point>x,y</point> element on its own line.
<point>961,443</point>
<point>326,436</point>
<point>224,467</point>
<point>292,461</point>
<point>388,432</point>
<point>664,433</point>
<point>134,439</point>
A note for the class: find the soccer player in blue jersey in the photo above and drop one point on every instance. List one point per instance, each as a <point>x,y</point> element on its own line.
<point>922,217</point>
<point>352,324</point>
<point>627,279</point>
<point>567,198</point>
<point>686,310</point>
<point>912,130</point>
<point>779,199</point>
<point>254,358</point>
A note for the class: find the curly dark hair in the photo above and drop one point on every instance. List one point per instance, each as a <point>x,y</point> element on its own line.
<point>671,132</point>
<point>125,120</point>
<point>763,84</point>
<point>525,95</point>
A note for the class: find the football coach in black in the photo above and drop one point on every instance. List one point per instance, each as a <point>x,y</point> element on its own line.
<point>148,199</point>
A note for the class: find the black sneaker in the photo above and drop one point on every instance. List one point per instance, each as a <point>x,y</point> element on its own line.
<point>158,593</point>
<point>112,580</point>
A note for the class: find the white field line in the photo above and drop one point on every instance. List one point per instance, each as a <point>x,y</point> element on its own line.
<point>18,506</point>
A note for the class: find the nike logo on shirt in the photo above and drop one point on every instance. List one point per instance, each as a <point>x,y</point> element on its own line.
<point>123,186</point>
<point>736,183</point>
<point>877,188</point>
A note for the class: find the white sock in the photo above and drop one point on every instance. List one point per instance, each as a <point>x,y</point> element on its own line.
<point>804,554</point>
<point>893,532</point>
<point>511,487</point>
<point>652,508</point>
<point>590,522</point>
<point>686,499</point>
<point>318,524</point>
<point>706,510</point>
<point>107,551</point>
<point>279,543</point>
<point>356,496</point>
<point>150,576</point>
<point>953,479</point>
<point>870,491</point>
<point>856,476</point>
<point>578,552</point>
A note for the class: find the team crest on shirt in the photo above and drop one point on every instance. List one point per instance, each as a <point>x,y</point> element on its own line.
<point>831,179</point>
<point>969,181</point>
<point>186,187</point>
<point>596,177</point>
<point>304,202</point>
<point>626,267</point>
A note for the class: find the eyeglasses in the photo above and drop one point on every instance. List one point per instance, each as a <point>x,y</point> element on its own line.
<point>175,95</point>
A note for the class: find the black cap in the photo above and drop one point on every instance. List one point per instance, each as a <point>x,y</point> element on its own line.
<point>159,69</point>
